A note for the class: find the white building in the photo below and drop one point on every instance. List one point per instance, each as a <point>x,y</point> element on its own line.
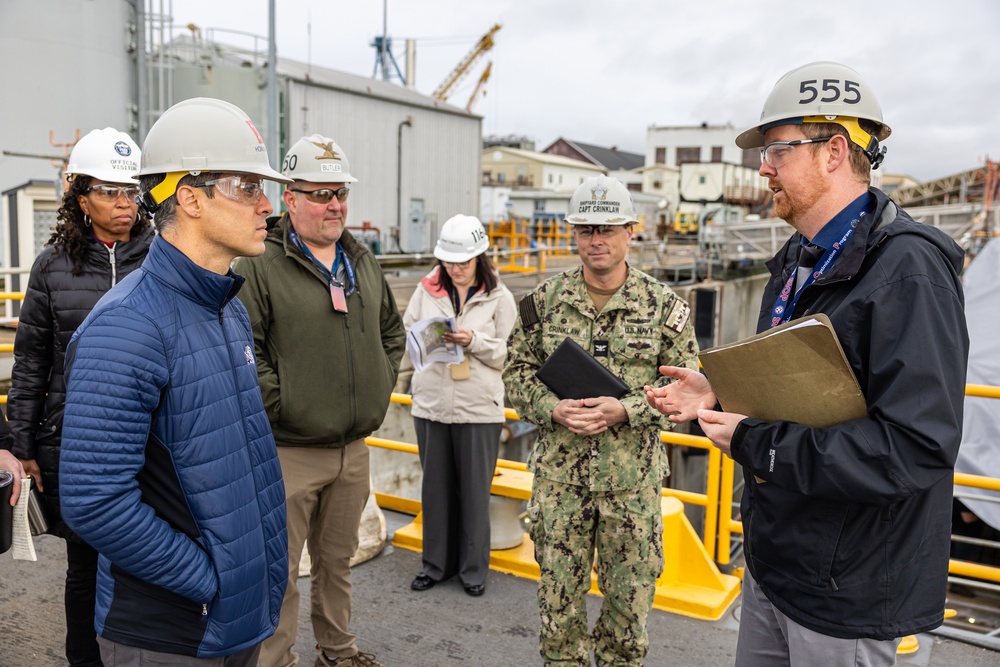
<point>513,167</point>
<point>710,166</point>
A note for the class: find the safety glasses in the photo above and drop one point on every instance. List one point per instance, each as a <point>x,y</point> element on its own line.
<point>586,231</point>
<point>110,193</point>
<point>237,187</point>
<point>324,195</point>
<point>777,152</point>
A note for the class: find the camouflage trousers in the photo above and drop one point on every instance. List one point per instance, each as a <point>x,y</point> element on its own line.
<point>626,527</point>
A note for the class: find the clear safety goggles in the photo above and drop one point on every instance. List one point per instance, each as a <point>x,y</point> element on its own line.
<point>237,187</point>
<point>110,193</point>
<point>777,152</point>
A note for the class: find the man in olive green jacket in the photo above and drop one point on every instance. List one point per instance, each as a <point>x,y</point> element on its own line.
<point>329,339</point>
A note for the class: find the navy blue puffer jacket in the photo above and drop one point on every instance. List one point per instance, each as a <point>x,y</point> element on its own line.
<point>168,467</point>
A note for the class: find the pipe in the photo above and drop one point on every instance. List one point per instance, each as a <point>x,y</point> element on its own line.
<point>408,121</point>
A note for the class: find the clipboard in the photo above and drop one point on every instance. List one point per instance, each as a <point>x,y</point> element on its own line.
<point>572,372</point>
<point>795,372</point>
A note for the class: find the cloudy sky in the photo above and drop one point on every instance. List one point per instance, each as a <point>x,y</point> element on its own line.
<point>601,72</point>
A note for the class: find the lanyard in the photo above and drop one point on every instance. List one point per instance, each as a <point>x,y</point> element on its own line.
<point>839,230</point>
<point>456,301</point>
<point>329,274</point>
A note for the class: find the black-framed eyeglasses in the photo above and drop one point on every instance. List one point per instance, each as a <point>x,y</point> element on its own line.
<point>586,231</point>
<point>109,192</point>
<point>777,152</point>
<point>457,265</point>
<point>324,195</point>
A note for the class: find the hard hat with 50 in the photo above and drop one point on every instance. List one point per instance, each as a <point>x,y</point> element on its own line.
<point>317,159</point>
<point>821,92</point>
<point>462,238</point>
<point>108,155</point>
<point>203,134</point>
<point>601,200</point>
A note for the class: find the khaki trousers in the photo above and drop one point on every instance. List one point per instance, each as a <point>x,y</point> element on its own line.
<point>325,493</point>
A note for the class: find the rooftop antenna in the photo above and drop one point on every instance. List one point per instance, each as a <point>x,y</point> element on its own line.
<point>383,51</point>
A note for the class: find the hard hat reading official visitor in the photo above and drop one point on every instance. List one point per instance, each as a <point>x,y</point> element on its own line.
<point>167,464</point>
<point>846,528</point>
<point>328,340</point>
<point>598,464</point>
<point>458,408</point>
<point>99,239</point>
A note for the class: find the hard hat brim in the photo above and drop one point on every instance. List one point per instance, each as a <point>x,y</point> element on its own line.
<point>457,257</point>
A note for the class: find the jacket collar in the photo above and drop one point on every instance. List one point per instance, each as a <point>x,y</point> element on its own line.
<point>870,231</point>
<point>171,267</point>
<point>124,250</point>
<point>575,293</point>
<point>435,290</point>
<point>278,233</point>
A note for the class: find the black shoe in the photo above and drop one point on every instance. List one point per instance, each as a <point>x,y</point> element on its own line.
<point>422,582</point>
<point>475,590</point>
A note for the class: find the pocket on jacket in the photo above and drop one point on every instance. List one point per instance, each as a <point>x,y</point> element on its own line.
<point>140,609</point>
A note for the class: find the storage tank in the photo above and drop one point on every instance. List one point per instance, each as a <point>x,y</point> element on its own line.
<point>65,65</point>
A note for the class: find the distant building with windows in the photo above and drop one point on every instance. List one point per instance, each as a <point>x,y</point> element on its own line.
<point>616,163</point>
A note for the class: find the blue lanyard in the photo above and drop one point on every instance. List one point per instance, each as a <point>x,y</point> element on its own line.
<point>839,231</point>
<point>331,273</point>
<point>456,301</point>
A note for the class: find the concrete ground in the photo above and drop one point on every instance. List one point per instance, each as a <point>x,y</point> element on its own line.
<point>442,626</point>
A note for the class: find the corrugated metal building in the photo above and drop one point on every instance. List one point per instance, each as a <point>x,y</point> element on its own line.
<point>416,158</point>
<point>76,64</point>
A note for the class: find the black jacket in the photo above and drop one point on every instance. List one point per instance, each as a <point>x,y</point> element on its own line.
<point>849,534</point>
<point>55,304</point>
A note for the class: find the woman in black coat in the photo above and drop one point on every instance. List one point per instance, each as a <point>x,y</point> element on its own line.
<point>99,239</point>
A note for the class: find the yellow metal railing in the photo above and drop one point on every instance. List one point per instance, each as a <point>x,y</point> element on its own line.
<point>718,497</point>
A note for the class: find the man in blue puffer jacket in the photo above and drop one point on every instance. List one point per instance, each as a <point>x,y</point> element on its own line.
<point>168,465</point>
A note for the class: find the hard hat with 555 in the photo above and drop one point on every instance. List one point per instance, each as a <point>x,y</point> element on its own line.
<point>462,238</point>
<point>601,200</point>
<point>108,155</point>
<point>203,134</point>
<point>822,92</point>
<point>317,159</point>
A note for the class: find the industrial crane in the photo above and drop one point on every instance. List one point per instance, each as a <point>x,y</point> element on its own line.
<point>479,86</point>
<point>444,90</point>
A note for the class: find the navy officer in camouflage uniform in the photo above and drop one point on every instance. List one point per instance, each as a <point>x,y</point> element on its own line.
<point>599,462</point>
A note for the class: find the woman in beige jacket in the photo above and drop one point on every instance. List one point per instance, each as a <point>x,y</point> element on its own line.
<point>458,409</point>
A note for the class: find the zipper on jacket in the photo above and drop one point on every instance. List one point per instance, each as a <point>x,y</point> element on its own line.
<point>350,372</point>
<point>204,609</point>
<point>114,264</point>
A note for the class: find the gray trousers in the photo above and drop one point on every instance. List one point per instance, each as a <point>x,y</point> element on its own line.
<point>458,461</point>
<point>119,655</point>
<point>768,638</point>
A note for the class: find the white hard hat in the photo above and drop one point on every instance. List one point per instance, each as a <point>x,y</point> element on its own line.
<point>462,238</point>
<point>317,159</point>
<point>822,92</point>
<point>601,200</point>
<point>203,134</point>
<point>108,155</point>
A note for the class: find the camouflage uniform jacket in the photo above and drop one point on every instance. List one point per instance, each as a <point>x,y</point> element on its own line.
<point>645,325</point>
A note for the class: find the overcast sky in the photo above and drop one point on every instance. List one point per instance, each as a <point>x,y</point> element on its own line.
<point>601,72</point>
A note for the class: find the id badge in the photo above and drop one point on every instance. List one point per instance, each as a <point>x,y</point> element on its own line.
<point>338,297</point>
<point>460,371</point>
